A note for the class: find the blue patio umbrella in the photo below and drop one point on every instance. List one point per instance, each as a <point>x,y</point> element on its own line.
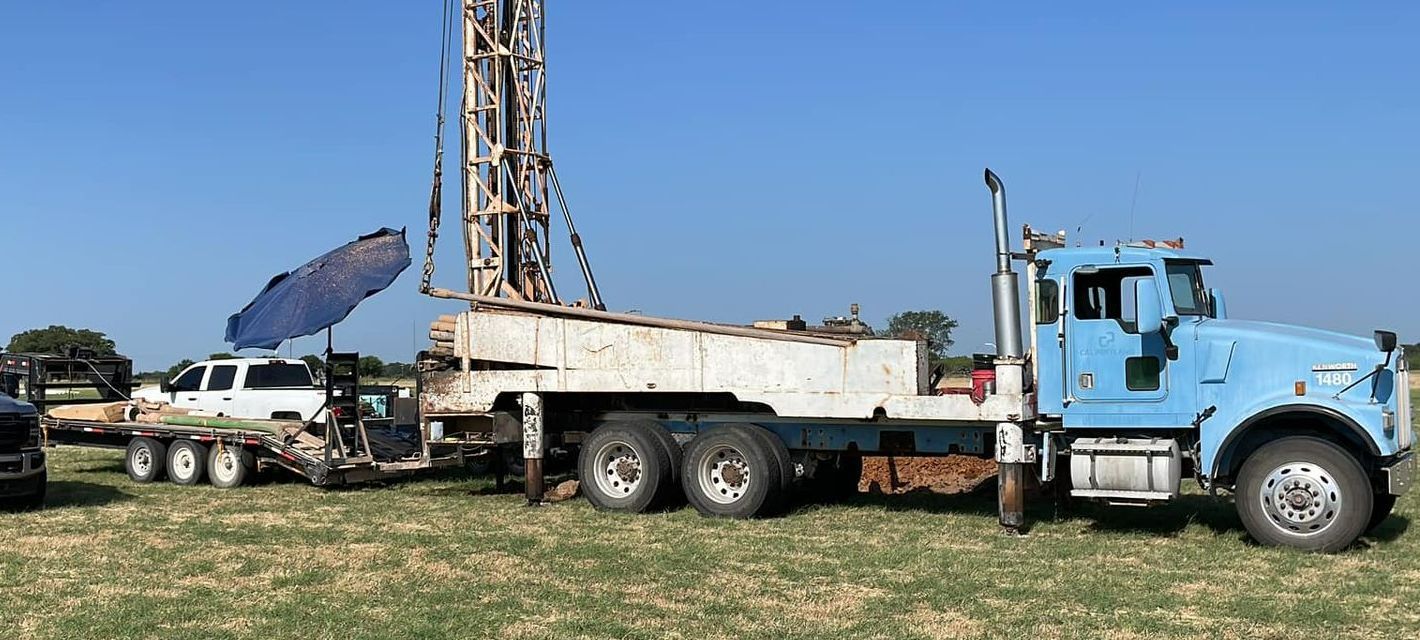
<point>320,293</point>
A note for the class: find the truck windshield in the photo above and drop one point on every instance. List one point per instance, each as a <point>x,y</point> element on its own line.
<point>271,376</point>
<point>1186,287</point>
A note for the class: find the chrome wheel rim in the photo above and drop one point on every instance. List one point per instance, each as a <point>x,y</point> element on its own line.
<point>1301,498</point>
<point>724,475</point>
<point>618,469</point>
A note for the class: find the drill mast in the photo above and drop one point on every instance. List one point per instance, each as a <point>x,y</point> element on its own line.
<point>507,172</point>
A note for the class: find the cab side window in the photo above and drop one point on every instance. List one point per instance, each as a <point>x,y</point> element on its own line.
<point>1108,294</point>
<point>190,380</point>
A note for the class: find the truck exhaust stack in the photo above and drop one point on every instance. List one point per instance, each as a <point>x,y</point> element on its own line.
<point>1005,288</point>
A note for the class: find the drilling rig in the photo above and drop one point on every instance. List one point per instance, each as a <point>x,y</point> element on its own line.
<point>509,185</point>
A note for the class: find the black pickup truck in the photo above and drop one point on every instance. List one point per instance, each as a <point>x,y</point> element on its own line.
<point>23,476</point>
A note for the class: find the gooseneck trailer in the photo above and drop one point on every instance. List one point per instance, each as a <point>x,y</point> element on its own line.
<point>1133,378</point>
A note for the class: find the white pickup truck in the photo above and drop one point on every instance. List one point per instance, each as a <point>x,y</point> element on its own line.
<point>267,388</point>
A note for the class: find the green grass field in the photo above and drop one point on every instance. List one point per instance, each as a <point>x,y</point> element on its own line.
<point>446,557</point>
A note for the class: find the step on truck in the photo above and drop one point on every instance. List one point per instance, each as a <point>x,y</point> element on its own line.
<point>1133,377</point>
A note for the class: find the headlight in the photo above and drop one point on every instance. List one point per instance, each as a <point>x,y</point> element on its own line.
<point>33,440</point>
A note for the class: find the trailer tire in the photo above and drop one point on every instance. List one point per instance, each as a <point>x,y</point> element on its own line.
<point>228,466</point>
<point>1381,506</point>
<point>145,459</point>
<point>1304,492</point>
<point>187,460</point>
<point>624,466</point>
<point>731,471</point>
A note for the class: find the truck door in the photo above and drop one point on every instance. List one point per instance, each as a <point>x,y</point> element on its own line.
<point>186,389</point>
<point>1110,362</point>
<point>216,394</point>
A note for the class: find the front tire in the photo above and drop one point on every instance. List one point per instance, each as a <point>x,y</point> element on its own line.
<point>187,460</point>
<point>1305,493</point>
<point>145,459</point>
<point>625,467</point>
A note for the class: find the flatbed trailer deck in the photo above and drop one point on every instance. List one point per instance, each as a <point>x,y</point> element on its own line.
<point>301,453</point>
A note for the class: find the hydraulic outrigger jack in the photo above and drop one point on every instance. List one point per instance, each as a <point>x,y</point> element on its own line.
<point>532,448</point>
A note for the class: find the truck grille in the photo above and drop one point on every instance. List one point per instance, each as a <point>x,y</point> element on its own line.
<point>15,431</point>
<point>1404,435</point>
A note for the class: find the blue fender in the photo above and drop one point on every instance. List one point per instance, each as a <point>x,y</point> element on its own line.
<point>1215,441</point>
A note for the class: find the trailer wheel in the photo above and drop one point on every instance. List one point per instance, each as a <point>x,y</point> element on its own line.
<point>624,467</point>
<point>1305,493</point>
<point>731,471</point>
<point>145,459</point>
<point>670,488</point>
<point>228,466</point>
<point>186,462</point>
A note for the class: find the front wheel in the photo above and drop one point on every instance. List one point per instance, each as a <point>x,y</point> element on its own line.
<point>1305,493</point>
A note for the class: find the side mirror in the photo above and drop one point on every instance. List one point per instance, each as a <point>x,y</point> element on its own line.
<point>165,385</point>
<point>1385,341</point>
<point>1220,308</point>
<point>1148,309</point>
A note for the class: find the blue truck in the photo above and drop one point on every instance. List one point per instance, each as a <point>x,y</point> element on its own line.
<point>1129,378</point>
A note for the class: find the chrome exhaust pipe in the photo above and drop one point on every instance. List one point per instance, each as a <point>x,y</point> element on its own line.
<point>1005,287</point>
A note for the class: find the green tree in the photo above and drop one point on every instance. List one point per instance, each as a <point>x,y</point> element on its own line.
<point>314,362</point>
<point>222,356</point>
<point>58,339</point>
<point>174,370</point>
<point>398,370</point>
<point>933,326</point>
<point>371,366</point>
<point>1412,356</point>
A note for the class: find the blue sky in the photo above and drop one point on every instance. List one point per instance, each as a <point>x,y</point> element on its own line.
<point>159,161</point>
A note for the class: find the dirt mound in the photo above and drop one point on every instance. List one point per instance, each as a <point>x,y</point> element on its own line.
<point>948,474</point>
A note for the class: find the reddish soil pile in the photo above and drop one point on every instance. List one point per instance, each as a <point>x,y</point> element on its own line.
<point>949,474</point>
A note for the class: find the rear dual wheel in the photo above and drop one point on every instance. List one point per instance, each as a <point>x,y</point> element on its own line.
<point>736,471</point>
<point>629,466</point>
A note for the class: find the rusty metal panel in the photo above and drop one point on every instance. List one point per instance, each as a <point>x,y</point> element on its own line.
<point>854,379</point>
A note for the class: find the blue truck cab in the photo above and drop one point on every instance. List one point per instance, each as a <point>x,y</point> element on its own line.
<point>1310,429</point>
<point>23,475</point>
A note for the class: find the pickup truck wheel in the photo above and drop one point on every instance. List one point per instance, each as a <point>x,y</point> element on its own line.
<point>228,466</point>
<point>1305,493</point>
<point>145,459</point>
<point>624,467</point>
<point>187,460</point>
<point>1381,506</point>
<point>730,471</point>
